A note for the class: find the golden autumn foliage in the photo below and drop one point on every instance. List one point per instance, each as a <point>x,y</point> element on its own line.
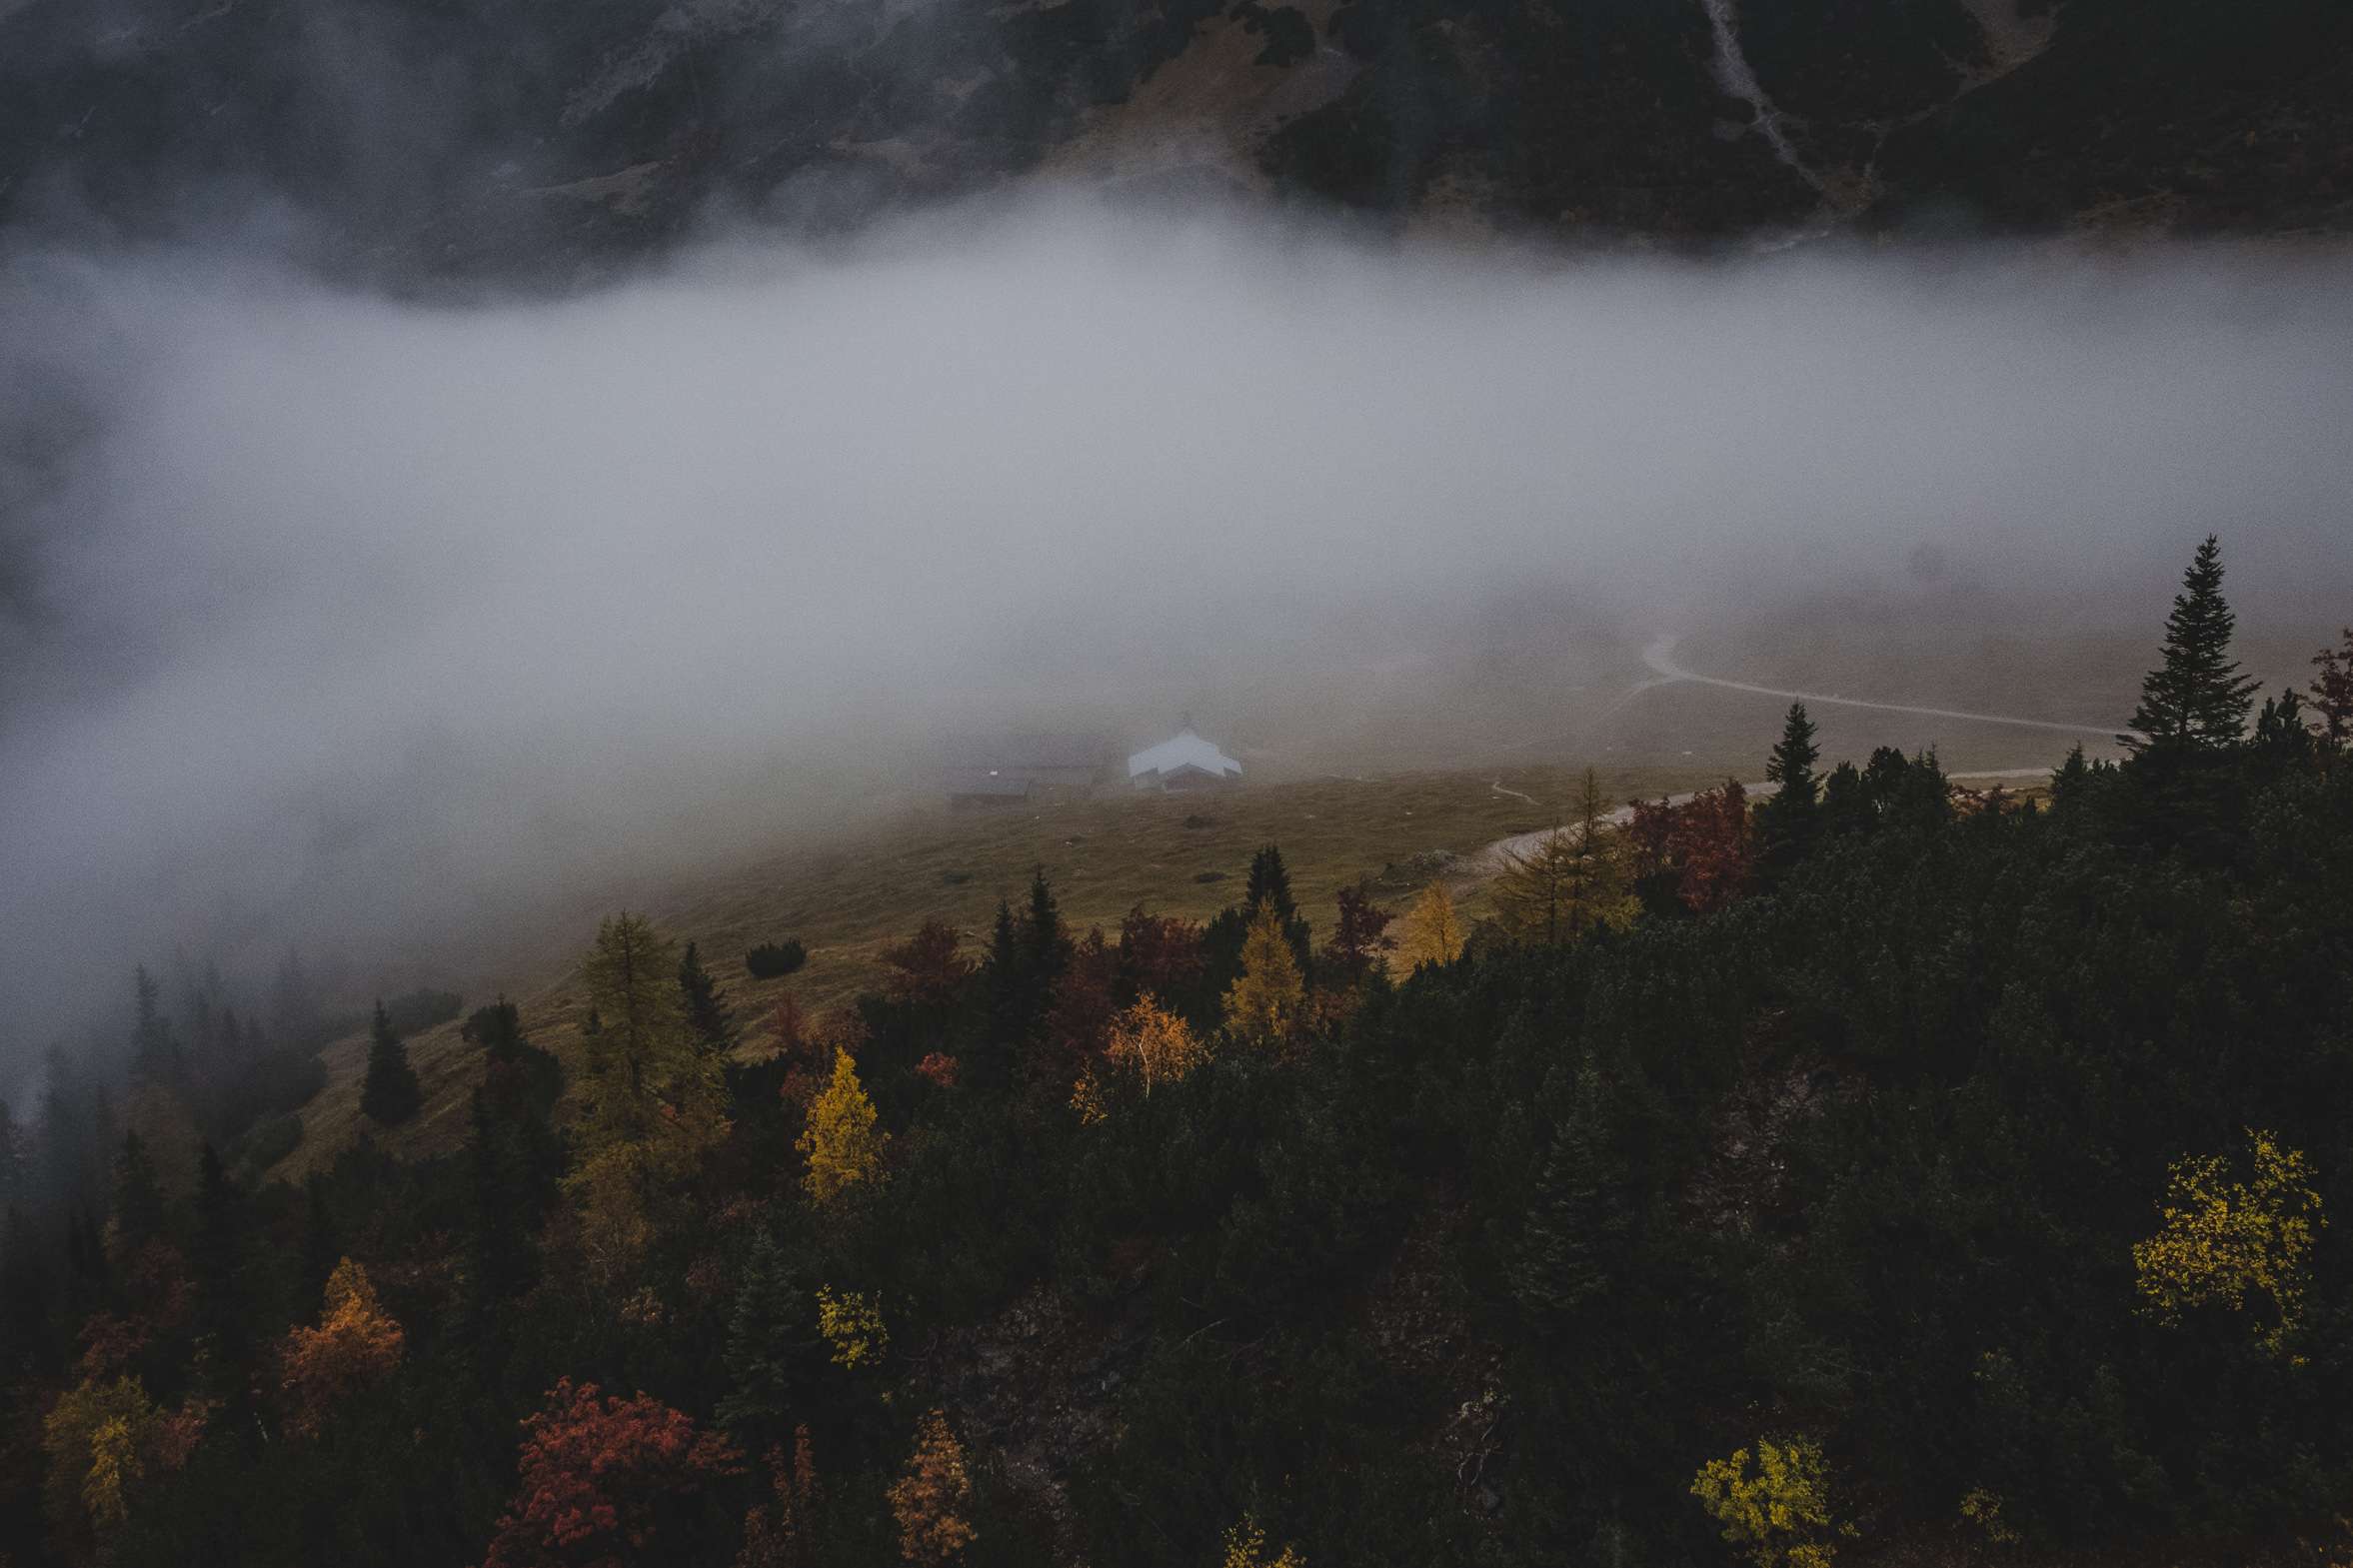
<point>853,1326</point>
<point>776,1532</point>
<point>1779,1513</point>
<point>1156,1044</point>
<point>932,1496</point>
<point>1262,1006</point>
<point>355,1345</point>
<point>100,1440</point>
<point>1432,931</point>
<point>1245,1547</point>
<point>1984,1510</point>
<point>2224,1241</point>
<point>843,1144</point>
<point>1570,885</point>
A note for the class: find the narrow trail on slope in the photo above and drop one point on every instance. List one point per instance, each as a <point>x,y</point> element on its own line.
<point>1659,656</point>
<point>1496,784</point>
<point>1734,74</point>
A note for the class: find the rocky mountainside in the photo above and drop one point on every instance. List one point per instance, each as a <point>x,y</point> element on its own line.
<point>492,135</point>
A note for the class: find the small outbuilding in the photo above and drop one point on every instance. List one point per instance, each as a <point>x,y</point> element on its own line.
<point>979,787</point>
<point>1183,762</point>
<point>1002,769</point>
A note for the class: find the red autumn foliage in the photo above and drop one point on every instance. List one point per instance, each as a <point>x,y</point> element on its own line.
<point>600,1478</point>
<point>1158,956</point>
<point>1712,845</point>
<point>938,1067</point>
<point>1704,843</point>
<point>1651,835</point>
<point>927,968</point>
<point>1079,1017</point>
<point>109,1343</point>
<point>788,1026</point>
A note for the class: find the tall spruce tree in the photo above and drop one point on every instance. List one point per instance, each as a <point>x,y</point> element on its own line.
<point>1572,1242</point>
<point>2195,699</point>
<point>1785,824</point>
<point>218,1262</point>
<point>322,1240</point>
<point>154,1054</point>
<point>1792,765</point>
<point>775,1354</point>
<point>513,1158</point>
<point>708,1017</point>
<point>1049,945</point>
<point>12,1159</point>
<point>390,1094</point>
<point>138,1209</point>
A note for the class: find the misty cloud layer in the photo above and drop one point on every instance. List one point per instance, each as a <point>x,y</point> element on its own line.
<point>328,613</point>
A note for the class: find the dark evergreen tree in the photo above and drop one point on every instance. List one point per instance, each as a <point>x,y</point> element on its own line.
<point>513,1159</point>
<point>1792,765</point>
<point>153,1053</point>
<point>390,1094</point>
<point>138,1206</point>
<point>87,1276</point>
<point>1049,945</point>
<point>1572,1242</point>
<point>1787,823</point>
<point>12,1156</point>
<point>1923,799</point>
<point>24,1294</point>
<point>2195,699</point>
<point>2282,740</point>
<point>1006,990</point>
<point>1848,806</point>
<point>707,1015</point>
<point>218,1262</point>
<point>1269,884</point>
<point>322,1240</point>
<point>775,1354</point>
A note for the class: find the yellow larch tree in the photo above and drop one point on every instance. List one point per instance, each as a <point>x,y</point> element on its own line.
<point>843,1145</point>
<point>1433,932</point>
<point>933,1495</point>
<point>2223,1241</point>
<point>652,1099</point>
<point>1262,1006</point>
<point>1570,885</point>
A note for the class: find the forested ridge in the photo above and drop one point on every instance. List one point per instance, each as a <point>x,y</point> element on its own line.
<point>1877,1170</point>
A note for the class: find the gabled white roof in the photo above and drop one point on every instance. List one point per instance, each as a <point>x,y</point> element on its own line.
<point>1185,750</point>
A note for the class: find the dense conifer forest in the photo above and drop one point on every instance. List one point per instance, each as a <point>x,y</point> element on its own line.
<point>1873,1171</point>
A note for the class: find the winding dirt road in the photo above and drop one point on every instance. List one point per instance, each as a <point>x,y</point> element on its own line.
<point>1659,656</point>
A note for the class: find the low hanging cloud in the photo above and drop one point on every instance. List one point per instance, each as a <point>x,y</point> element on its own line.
<point>328,613</point>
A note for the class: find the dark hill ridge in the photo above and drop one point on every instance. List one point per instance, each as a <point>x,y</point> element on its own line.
<point>498,135</point>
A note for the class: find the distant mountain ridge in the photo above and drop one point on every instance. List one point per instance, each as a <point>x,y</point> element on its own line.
<point>496,136</point>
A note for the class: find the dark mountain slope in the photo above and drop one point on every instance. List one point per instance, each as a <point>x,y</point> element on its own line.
<point>506,135</point>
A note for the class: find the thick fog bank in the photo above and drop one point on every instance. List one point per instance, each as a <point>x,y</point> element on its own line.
<point>320,613</point>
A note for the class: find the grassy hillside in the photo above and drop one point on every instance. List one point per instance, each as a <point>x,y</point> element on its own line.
<point>847,899</point>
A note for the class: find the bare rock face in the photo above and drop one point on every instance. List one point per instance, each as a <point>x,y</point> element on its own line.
<point>422,138</point>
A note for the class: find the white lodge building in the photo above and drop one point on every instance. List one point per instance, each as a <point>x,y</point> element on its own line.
<point>1183,762</point>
